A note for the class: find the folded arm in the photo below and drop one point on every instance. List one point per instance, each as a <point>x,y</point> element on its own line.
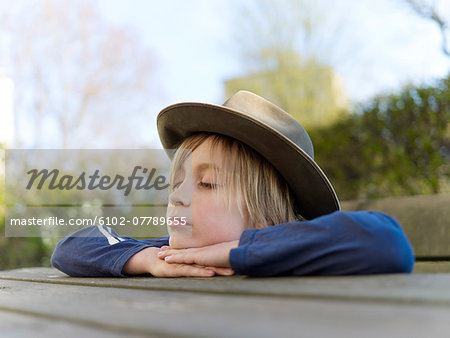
<point>98,251</point>
<point>341,243</point>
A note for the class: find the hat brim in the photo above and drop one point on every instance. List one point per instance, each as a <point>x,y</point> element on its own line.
<point>313,191</point>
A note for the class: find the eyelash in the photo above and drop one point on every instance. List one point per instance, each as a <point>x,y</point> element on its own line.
<point>201,184</point>
<point>207,185</point>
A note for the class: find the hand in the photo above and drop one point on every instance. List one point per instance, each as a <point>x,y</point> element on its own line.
<point>216,255</point>
<point>147,261</point>
<point>218,271</point>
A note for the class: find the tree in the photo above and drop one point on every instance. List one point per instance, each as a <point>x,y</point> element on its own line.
<point>397,144</point>
<point>310,92</point>
<point>75,77</point>
<point>78,83</point>
<point>267,29</point>
<point>282,47</point>
<point>18,252</point>
<point>430,12</point>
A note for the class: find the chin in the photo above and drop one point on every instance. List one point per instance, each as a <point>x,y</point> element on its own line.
<point>176,242</point>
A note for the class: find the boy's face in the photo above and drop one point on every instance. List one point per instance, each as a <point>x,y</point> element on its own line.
<point>209,220</point>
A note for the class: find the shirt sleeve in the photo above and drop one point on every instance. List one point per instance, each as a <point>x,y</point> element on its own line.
<point>98,251</point>
<point>341,243</point>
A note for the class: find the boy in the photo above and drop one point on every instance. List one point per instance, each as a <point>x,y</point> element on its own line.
<point>255,202</point>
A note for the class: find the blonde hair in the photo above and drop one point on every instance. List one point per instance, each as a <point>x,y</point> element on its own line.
<point>265,194</point>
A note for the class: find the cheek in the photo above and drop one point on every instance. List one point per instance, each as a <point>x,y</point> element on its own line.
<point>216,223</point>
<point>211,210</point>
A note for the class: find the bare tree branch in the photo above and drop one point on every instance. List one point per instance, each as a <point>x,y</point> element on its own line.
<point>87,78</point>
<point>429,12</point>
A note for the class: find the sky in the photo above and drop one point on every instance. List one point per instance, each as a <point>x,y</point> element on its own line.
<point>384,45</point>
<point>379,47</point>
<point>389,44</point>
<point>189,41</point>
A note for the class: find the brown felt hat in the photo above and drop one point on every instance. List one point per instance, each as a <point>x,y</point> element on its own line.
<point>268,129</point>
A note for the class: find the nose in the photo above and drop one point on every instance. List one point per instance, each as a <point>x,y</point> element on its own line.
<point>182,195</point>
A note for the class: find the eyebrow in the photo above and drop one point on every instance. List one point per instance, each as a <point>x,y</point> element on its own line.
<point>204,166</point>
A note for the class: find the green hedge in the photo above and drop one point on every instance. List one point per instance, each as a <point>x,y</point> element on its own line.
<point>395,145</point>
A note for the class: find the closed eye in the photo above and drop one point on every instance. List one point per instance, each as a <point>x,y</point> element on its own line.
<point>207,185</point>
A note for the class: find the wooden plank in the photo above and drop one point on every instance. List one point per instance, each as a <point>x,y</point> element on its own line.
<point>425,220</point>
<point>429,289</point>
<point>214,315</point>
<point>13,324</point>
<point>432,267</point>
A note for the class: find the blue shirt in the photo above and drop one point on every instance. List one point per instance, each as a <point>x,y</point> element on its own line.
<point>341,243</point>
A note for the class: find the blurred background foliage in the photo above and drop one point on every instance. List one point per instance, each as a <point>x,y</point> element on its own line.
<point>80,82</point>
<point>18,251</point>
<point>299,86</point>
<point>397,144</point>
<point>394,144</point>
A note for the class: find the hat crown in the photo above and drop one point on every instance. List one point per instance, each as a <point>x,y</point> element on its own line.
<point>273,116</point>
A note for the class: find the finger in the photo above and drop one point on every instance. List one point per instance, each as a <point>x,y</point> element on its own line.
<point>223,271</point>
<point>217,270</point>
<point>164,247</point>
<point>179,258</point>
<point>183,270</point>
<point>164,253</point>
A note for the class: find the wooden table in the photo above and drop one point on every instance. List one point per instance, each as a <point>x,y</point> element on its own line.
<point>42,302</point>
